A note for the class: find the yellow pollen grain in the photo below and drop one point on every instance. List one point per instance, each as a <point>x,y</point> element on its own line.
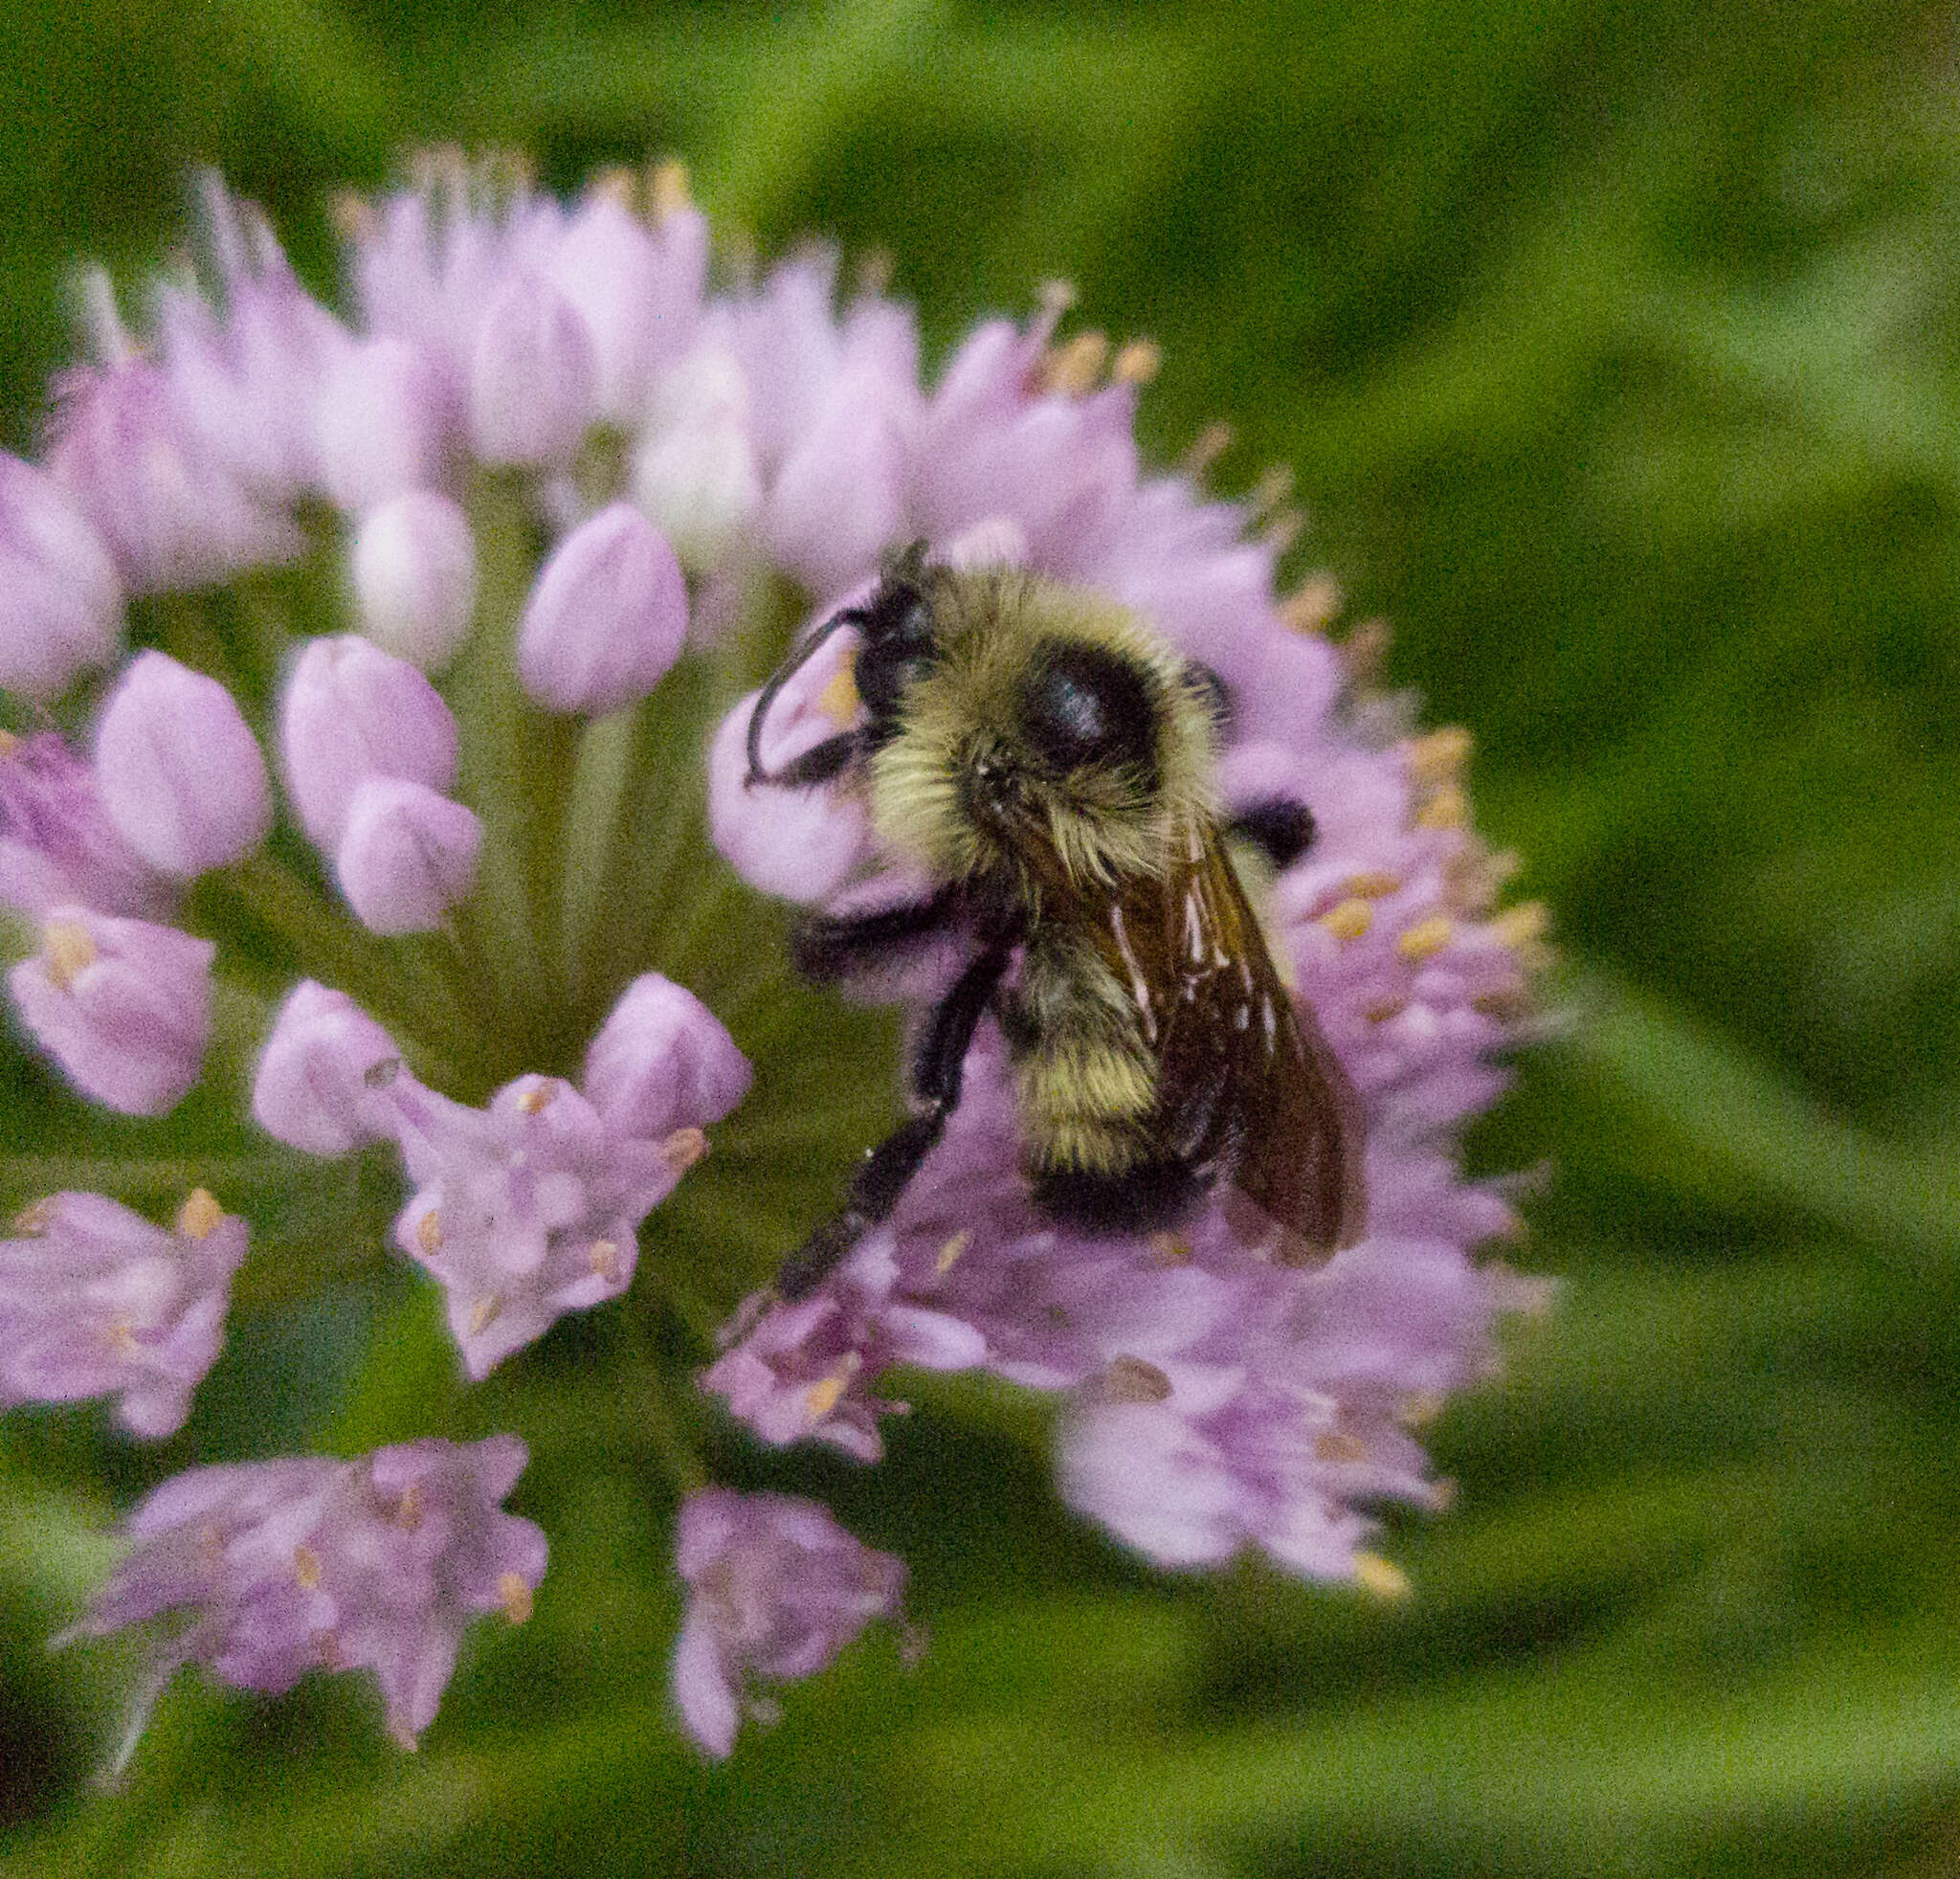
<point>1312,605</point>
<point>488,1309</point>
<point>603,1257</point>
<point>428,1232</point>
<point>952,1252</point>
<point>200,1215</point>
<point>1348,920</point>
<point>1426,938</point>
<point>667,189</point>
<point>1445,807</point>
<point>1073,367</point>
<point>1339,1446</point>
<point>36,1217</point>
<point>1522,925</point>
<point>682,1149</point>
<point>537,1099</point>
<point>1437,757</point>
<point>1206,448</point>
<point>407,1510</point>
<point>67,950</point>
<point>838,700</point>
<point>514,1596</point>
<point>1137,363</point>
<point>1168,1249</point>
<point>306,1567</point>
<point>9,743</point>
<point>1372,885</point>
<point>1379,1576</point>
<point>820,1399</point>
<point>1130,1379</point>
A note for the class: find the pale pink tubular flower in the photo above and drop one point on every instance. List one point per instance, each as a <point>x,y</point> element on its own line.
<point>775,1589</point>
<point>94,1301</point>
<point>263,1570</point>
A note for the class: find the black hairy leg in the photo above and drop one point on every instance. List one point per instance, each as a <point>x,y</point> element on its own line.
<point>1283,828</point>
<point>1140,1199</point>
<point>821,763</point>
<point>887,1170</point>
<point>825,946</point>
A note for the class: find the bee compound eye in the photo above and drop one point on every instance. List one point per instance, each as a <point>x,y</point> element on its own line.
<point>1084,706</point>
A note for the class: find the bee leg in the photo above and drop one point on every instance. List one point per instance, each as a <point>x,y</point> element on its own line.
<point>1140,1199</point>
<point>1283,828</point>
<point>823,947</point>
<point>821,763</point>
<point>887,1170</point>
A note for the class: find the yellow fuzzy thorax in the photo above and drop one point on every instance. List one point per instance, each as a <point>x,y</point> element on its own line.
<point>1088,830</point>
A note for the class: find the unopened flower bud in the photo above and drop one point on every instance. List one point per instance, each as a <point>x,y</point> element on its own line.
<point>533,378</point>
<point>60,602</point>
<point>662,1062</point>
<point>124,1006</point>
<point>696,474</point>
<point>379,423</point>
<point>57,843</point>
<point>838,500</point>
<point>413,566</point>
<point>607,618</point>
<point>407,856</point>
<point>323,1076</point>
<point>609,268</point>
<point>353,712</point>
<point>179,769</point>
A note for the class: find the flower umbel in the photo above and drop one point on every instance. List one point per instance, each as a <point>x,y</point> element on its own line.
<point>407,794</point>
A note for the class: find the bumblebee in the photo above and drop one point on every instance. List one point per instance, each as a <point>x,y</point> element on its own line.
<point>1051,763</point>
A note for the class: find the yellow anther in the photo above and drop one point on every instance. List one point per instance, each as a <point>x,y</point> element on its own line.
<point>1442,1494</point>
<point>1365,651</point>
<point>1272,490</point>
<point>682,1149</point>
<point>9,743</point>
<point>603,1257</point>
<point>66,950</point>
<point>407,1510</point>
<point>306,1567</point>
<point>1426,938</point>
<point>514,1596</point>
<point>537,1099</point>
<point>1339,1446</point>
<point>1444,808</point>
<point>1419,1408</point>
<point>428,1232</point>
<point>1520,926</point>
<point>614,183</point>
<point>399,1732</point>
<point>1137,363</point>
<point>1170,1249</point>
<point>488,1309</point>
<point>873,272</point>
<point>667,189</point>
<point>1437,757</point>
<point>200,1215</point>
<point>353,217</point>
<point>1385,1009</point>
<point>1283,528</point>
<point>36,1217</point>
<point>838,700</point>
<point>1073,366</point>
<point>1348,920</point>
<point>821,1397</point>
<point>119,1335</point>
<point>1058,297</point>
<point>1130,1379</point>
<point>1206,448</point>
<point>1382,1577</point>
<point>1372,885</point>
<point>1312,605</point>
<point>952,1252</point>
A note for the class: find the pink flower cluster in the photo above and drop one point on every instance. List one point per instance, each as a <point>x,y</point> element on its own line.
<point>565,375</point>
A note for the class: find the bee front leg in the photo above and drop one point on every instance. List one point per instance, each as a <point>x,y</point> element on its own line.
<point>887,1170</point>
<point>825,946</point>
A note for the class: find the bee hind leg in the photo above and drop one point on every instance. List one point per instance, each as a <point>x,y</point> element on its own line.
<point>887,1170</point>
<point>1143,1198</point>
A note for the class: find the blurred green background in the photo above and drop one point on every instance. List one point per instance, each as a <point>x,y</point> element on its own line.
<point>1617,352</point>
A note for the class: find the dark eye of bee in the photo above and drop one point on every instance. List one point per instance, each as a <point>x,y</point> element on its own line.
<point>1084,706</point>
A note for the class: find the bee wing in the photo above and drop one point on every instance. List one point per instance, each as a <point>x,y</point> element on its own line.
<point>1249,1093</point>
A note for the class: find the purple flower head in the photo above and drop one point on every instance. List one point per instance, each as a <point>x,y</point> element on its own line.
<point>124,1006</point>
<point>58,845</point>
<point>262,1571</point>
<point>775,1589</point>
<point>60,600</point>
<point>97,1301</point>
<point>179,769</point>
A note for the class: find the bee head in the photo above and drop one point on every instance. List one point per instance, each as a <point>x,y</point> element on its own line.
<point>1034,731</point>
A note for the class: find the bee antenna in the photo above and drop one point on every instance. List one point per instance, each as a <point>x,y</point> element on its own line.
<point>799,657</point>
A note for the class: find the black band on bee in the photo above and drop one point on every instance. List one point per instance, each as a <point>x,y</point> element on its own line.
<point>1142,1199</point>
<point>1085,704</point>
<point>1284,828</point>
